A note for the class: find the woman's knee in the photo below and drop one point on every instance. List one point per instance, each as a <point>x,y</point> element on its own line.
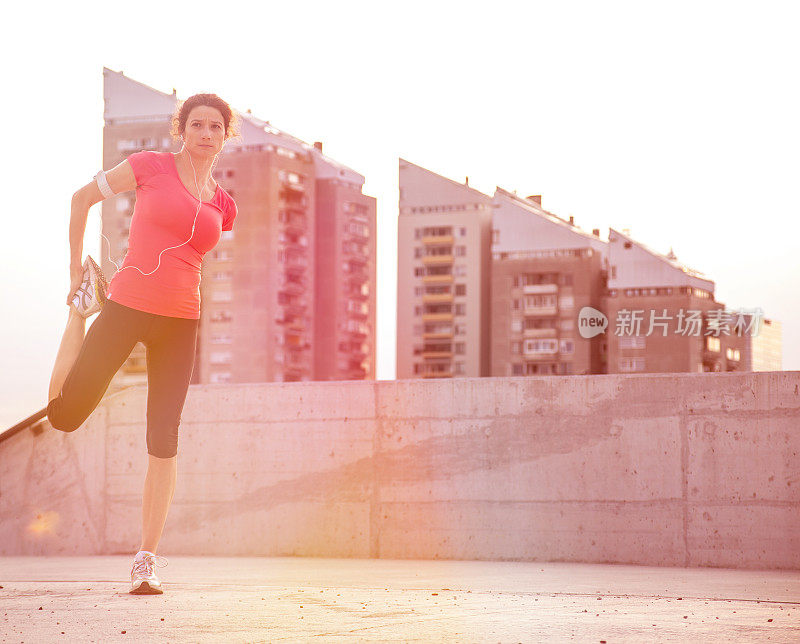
<point>60,420</point>
<point>162,444</point>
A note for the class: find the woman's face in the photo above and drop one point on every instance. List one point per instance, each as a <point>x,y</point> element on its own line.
<point>204,133</point>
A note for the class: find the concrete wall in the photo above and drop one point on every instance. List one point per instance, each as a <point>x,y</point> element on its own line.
<point>672,469</point>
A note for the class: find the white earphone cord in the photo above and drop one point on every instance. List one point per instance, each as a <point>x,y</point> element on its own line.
<point>194,223</point>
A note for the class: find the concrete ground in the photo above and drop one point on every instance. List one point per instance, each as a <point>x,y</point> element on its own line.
<point>215,599</point>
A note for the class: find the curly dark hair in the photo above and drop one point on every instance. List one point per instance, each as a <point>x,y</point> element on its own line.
<point>210,100</point>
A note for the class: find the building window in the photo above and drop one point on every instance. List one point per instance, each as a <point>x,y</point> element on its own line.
<point>460,329</point>
<point>462,231</point>
<point>221,296</point>
<point>222,276</point>
<point>567,324</point>
<point>461,308</point>
<point>460,347</point>
<point>537,346</point>
<point>458,368</point>
<point>461,251</point>
<point>732,354</point>
<point>222,254</point>
<point>632,342</point>
<point>516,326</point>
<point>221,376</point>
<point>566,302</point>
<point>459,270</point>
<point>461,289</point>
<point>516,370</point>
<point>516,347</point>
<point>284,152</point>
<point>631,364</point>
<point>542,301</point>
<point>220,357</point>
<point>713,344</point>
<point>227,235</point>
<point>221,316</point>
<point>567,346</point>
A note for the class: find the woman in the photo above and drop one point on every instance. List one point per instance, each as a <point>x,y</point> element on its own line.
<point>154,297</point>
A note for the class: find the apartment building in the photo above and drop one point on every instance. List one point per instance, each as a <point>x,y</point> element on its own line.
<point>522,311</point>
<point>545,270</point>
<point>443,256</point>
<point>764,352</point>
<point>278,291</point>
<point>346,244</point>
<point>662,316</point>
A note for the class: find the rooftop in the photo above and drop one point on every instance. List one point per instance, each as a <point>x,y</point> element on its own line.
<point>211,599</point>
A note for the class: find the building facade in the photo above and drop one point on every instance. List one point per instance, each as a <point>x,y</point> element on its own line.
<point>764,351</point>
<point>544,271</point>
<point>662,315</point>
<point>547,278</point>
<point>443,263</point>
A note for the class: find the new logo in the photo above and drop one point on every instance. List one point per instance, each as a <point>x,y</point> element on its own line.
<point>591,322</point>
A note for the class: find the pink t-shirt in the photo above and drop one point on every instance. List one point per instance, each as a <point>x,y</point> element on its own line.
<point>162,217</point>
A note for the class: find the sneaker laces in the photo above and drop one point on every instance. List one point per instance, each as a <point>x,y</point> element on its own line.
<point>145,565</point>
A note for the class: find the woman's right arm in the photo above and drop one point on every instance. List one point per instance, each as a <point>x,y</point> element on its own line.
<point>120,179</point>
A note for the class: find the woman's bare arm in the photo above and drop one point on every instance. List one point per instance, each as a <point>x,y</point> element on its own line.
<point>120,179</point>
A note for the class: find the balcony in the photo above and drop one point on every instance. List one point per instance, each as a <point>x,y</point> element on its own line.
<point>540,333</point>
<point>437,354</point>
<point>438,374</point>
<point>536,289</point>
<point>297,325</point>
<point>435,260</point>
<point>438,279</point>
<point>295,199</point>
<point>357,294</point>
<point>437,317</point>
<point>294,308</point>
<point>441,239</point>
<point>295,244</point>
<point>290,288</point>
<point>540,311</point>
<point>432,299</point>
<point>357,261</point>
<point>295,226</point>
<point>294,268</point>
<point>437,336</point>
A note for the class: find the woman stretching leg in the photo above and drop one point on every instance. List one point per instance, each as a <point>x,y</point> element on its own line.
<point>153,298</point>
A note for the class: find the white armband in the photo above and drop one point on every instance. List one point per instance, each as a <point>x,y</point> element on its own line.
<point>102,183</point>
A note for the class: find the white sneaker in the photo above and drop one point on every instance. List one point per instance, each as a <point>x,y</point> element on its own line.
<point>143,576</point>
<point>91,294</point>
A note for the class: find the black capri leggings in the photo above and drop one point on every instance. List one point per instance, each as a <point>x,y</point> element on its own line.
<point>170,344</point>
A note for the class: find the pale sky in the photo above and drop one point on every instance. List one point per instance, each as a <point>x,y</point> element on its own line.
<point>678,120</point>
